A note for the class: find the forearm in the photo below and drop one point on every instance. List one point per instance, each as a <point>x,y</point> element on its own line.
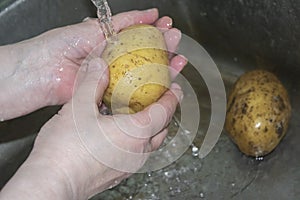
<point>34,182</point>
<point>19,80</point>
<point>45,178</point>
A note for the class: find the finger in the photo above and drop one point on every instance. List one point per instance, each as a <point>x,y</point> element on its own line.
<point>172,38</point>
<point>123,20</point>
<point>164,23</point>
<point>158,139</point>
<point>161,115</point>
<point>88,34</point>
<point>177,63</point>
<point>154,118</point>
<point>91,82</point>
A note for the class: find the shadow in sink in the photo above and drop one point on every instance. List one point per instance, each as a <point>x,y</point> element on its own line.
<point>25,126</point>
<point>16,140</point>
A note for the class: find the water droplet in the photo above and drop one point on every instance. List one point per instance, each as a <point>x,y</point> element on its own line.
<point>233,184</point>
<point>110,187</point>
<point>169,24</point>
<point>195,151</point>
<point>153,196</point>
<point>149,174</point>
<point>175,123</point>
<point>258,125</point>
<point>58,79</point>
<point>201,195</point>
<point>169,174</point>
<point>261,158</point>
<point>75,43</point>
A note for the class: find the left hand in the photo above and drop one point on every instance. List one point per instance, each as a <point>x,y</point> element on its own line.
<point>45,67</point>
<point>80,152</point>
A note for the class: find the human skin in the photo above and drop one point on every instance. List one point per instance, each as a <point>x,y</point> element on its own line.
<point>61,165</point>
<point>41,71</point>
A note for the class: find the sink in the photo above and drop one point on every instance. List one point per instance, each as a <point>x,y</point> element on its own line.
<point>239,35</point>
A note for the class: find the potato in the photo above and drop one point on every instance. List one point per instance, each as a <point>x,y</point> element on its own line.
<point>258,113</point>
<point>138,64</point>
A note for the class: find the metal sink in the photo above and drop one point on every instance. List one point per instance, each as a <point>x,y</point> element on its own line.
<point>239,35</point>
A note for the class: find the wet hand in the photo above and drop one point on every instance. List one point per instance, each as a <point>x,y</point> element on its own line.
<point>47,65</point>
<point>81,152</point>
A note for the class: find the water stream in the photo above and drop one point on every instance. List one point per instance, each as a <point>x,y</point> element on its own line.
<point>104,15</point>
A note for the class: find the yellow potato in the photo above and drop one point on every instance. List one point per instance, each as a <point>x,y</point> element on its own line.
<point>258,113</point>
<point>138,64</point>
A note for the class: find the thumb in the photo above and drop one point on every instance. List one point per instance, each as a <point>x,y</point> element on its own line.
<point>90,84</point>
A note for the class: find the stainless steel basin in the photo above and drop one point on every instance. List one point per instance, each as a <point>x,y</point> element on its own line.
<point>239,35</point>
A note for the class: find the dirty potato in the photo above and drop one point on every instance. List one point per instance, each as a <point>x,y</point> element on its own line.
<point>138,65</point>
<point>258,113</point>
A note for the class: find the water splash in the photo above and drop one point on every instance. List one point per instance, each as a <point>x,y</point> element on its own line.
<point>195,150</point>
<point>201,194</point>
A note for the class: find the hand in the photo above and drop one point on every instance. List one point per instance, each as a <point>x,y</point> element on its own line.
<point>41,71</point>
<point>75,154</point>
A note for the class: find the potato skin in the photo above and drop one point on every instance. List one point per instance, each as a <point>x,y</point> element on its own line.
<point>138,65</point>
<point>258,113</point>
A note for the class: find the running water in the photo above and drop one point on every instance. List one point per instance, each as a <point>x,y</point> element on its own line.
<point>105,20</point>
